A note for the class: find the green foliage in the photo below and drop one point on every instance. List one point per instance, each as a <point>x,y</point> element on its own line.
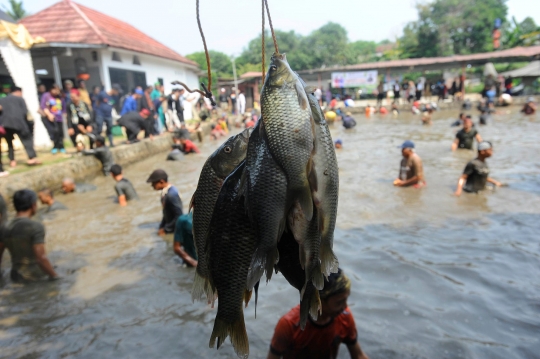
<point>447,27</point>
<point>526,33</point>
<point>16,10</point>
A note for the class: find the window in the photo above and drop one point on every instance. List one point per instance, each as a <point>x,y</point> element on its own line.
<point>116,56</point>
<point>127,79</point>
<point>136,60</point>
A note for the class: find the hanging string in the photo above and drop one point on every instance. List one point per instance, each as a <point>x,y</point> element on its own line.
<point>207,91</point>
<point>263,45</point>
<point>271,26</point>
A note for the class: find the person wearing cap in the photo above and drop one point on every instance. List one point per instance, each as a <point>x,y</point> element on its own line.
<point>14,121</point>
<point>530,107</point>
<point>411,171</point>
<point>131,102</point>
<point>170,201</point>
<point>338,144</point>
<point>79,119</point>
<point>102,153</point>
<point>476,173</point>
<point>135,122</point>
<point>348,121</point>
<point>466,136</point>
<point>6,90</point>
<point>321,337</point>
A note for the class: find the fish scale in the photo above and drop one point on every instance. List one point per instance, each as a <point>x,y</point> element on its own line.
<point>289,132</point>
<point>216,168</point>
<point>231,241</point>
<point>266,201</point>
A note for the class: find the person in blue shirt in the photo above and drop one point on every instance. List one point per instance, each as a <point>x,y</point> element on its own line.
<point>184,246</point>
<point>131,102</point>
<point>104,106</point>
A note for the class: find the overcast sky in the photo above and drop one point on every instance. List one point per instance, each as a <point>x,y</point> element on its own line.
<point>229,25</point>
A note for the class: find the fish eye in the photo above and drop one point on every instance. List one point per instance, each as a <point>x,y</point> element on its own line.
<point>273,67</point>
<point>227,149</point>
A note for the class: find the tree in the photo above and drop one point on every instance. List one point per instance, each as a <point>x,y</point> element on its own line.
<point>363,51</point>
<point>16,10</point>
<point>328,46</point>
<point>525,33</point>
<point>447,27</point>
<point>220,63</point>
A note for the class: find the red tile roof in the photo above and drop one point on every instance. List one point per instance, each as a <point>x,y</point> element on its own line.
<point>69,22</point>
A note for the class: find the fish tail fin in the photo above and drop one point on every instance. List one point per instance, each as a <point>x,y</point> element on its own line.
<point>200,287</point>
<point>309,304</point>
<point>306,202</point>
<point>237,333</point>
<point>329,261</point>
<point>256,288</point>
<point>271,259</point>
<point>256,268</point>
<point>247,296</point>
<point>317,277</point>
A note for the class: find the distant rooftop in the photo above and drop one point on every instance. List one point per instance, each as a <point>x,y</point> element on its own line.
<point>251,74</point>
<point>69,22</point>
<point>4,16</point>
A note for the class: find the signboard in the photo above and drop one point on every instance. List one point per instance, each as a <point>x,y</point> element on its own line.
<point>366,80</point>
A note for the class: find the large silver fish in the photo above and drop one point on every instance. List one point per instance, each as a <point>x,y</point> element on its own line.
<point>325,191</point>
<point>230,245</point>
<point>289,129</point>
<point>216,168</point>
<point>265,187</point>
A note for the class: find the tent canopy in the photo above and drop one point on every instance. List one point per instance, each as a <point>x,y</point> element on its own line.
<point>18,34</point>
<point>531,70</point>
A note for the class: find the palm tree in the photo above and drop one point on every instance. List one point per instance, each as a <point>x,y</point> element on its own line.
<point>17,11</point>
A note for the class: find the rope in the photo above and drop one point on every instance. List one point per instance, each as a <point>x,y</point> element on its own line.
<point>263,45</point>
<point>207,91</point>
<point>271,26</point>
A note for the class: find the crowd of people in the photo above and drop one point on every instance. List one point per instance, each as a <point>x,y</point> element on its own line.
<point>148,110</point>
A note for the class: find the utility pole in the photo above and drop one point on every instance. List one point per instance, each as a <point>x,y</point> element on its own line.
<point>235,83</point>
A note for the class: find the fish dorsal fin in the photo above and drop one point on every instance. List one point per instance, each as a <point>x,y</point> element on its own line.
<point>310,89</point>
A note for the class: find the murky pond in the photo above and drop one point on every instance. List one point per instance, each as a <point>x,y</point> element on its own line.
<point>434,276</point>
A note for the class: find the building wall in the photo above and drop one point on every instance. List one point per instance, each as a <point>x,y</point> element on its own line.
<point>154,68</point>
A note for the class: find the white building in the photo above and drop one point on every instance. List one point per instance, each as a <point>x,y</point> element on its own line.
<point>82,43</point>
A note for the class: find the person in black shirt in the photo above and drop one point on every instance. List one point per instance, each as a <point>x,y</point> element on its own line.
<point>170,201</point>
<point>124,189</point>
<point>465,137</point>
<point>14,120</point>
<point>25,240</point>
<point>79,119</point>
<point>46,197</point>
<point>135,122</point>
<point>102,153</point>
<point>476,173</point>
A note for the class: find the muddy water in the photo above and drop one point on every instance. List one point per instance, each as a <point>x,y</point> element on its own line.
<point>434,276</point>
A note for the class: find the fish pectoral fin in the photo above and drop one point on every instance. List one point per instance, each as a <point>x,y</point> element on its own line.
<point>305,200</point>
<point>329,261</point>
<point>201,287</point>
<point>314,183</point>
<point>247,296</point>
<point>302,97</point>
<point>237,333</point>
<point>192,202</point>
